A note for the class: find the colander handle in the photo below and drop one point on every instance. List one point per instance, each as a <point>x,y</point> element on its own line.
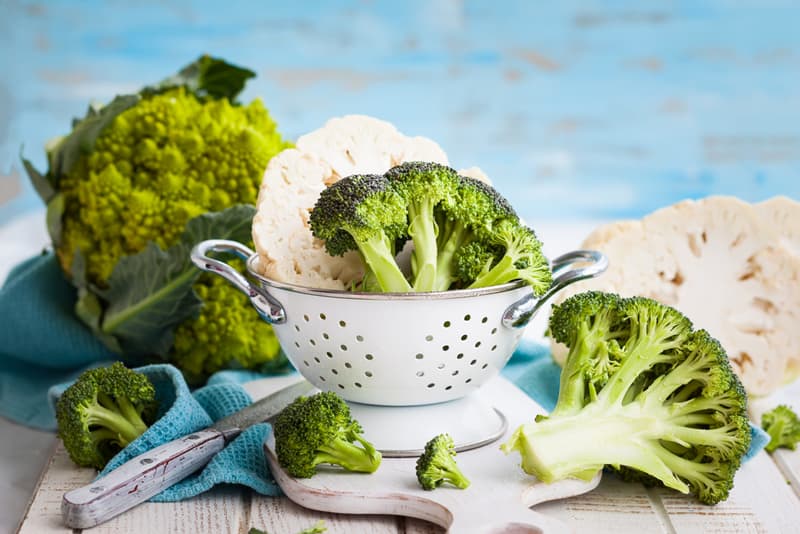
<point>265,304</point>
<point>521,312</point>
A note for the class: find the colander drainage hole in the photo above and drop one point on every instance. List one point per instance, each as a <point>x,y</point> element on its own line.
<point>445,347</point>
<point>343,347</point>
<point>357,384</point>
<point>460,355</point>
<point>477,344</point>
<point>473,362</point>
<point>454,373</point>
<point>297,344</point>
<point>484,366</point>
<point>312,342</point>
<point>317,359</point>
<point>297,328</point>
<point>342,324</point>
<point>420,373</point>
<point>322,378</point>
<point>306,318</point>
<point>468,380</point>
<point>325,335</point>
<point>467,317</point>
<point>484,320</point>
<point>329,354</point>
<point>306,362</point>
<point>494,347</point>
<point>419,356</point>
<point>446,324</point>
<point>348,365</point>
<point>494,331</point>
<point>431,385</point>
<point>369,356</point>
<point>359,338</point>
<point>368,374</point>
<point>334,371</point>
<point>464,337</point>
<point>322,316</point>
<point>440,366</point>
<point>448,388</point>
<point>429,338</point>
<point>340,386</point>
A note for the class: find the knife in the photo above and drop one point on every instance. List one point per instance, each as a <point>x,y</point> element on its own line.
<point>140,478</point>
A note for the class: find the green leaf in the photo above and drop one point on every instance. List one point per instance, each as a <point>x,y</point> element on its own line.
<point>55,212</point>
<point>85,132</point>
<point>41,183</point>
<point>150,293</point>
<point>207,77</point>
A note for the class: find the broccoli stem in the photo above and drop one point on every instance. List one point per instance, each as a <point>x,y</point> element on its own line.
<point>377,254</point>
<point>452,236</point>
<point>124,430</point>
<point>554,449</point>
<point>501,273</point>
<point>422,230</point>
<point>349,455</point>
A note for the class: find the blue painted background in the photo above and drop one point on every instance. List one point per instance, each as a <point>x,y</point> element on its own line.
<point>575,109</point>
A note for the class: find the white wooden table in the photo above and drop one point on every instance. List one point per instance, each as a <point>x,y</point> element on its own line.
<point>765,499</point>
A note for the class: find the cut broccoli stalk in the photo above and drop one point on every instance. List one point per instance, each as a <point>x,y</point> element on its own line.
<point>653,398</point>
<point>377,253</point>
<point>422,229</point>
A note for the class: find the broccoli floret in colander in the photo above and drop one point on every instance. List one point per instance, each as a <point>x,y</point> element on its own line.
<point>464,233</point>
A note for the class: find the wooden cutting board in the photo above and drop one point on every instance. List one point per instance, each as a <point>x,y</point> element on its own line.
<point>499,497</point>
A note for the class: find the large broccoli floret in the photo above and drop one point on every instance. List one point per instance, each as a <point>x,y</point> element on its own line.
<point>320,430</point>
<point>653,397</point>
<point>437,464</point>
<point>134,185</point>
<point>364,213</point>
<point>783,427</point>
<point>102,412</point>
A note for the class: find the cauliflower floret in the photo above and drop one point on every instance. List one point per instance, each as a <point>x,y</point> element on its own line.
<point>293,180</point>
<point>724,266</point>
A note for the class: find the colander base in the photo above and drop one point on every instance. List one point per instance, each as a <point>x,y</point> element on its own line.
<point>402,431</point>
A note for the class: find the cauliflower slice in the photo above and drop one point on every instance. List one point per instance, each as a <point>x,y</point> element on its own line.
<point>783,214</point>
<point>293,180</point>
<point>722,265</point>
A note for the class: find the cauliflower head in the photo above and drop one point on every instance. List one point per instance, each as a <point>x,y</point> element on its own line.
<point>728,265</point>
<point>293,180</point>
<point>133,187</point>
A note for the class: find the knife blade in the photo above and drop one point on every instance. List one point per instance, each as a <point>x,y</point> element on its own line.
<point>148,474</point>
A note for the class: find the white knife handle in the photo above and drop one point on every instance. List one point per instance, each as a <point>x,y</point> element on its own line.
<point>140,478</point>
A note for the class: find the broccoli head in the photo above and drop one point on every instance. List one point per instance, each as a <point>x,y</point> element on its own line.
<point>363,213</point>
<point>124,188</point>
<point>320,430</point>
<point>657,400</point>
<point>464,232</point>
<point>103,411</point>
<point>437,464</point>
<point>783,427</point>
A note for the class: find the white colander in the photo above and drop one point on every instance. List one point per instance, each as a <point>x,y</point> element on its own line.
<point>395,349</point>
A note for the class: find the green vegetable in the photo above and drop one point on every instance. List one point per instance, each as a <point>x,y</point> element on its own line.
<point>363,213</point>
<point>783,427</point>
<point>320,430</point>
<point>103,411</point>
<point>465,234</point>
<point>437,464</point>
<point>133,187</point>
<point>642,392</point>
<point>318,528</point>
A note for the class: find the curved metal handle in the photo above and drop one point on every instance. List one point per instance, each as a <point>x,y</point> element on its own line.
<point>265,304</point>
<point>521,312</point>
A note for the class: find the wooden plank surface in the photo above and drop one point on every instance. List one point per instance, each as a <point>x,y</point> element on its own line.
<point>762,501</point>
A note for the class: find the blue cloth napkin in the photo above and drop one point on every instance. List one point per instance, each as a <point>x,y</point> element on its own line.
<point>44,347</point>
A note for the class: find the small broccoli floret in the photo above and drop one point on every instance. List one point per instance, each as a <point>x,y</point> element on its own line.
<point>521,259</point>
<point>363,213</point>
<point>437,464</point>
<point>423,186</point>
<point>102,412</point>
<point>320,430</point>
<point>656,400</point>
<point>783,427</point>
